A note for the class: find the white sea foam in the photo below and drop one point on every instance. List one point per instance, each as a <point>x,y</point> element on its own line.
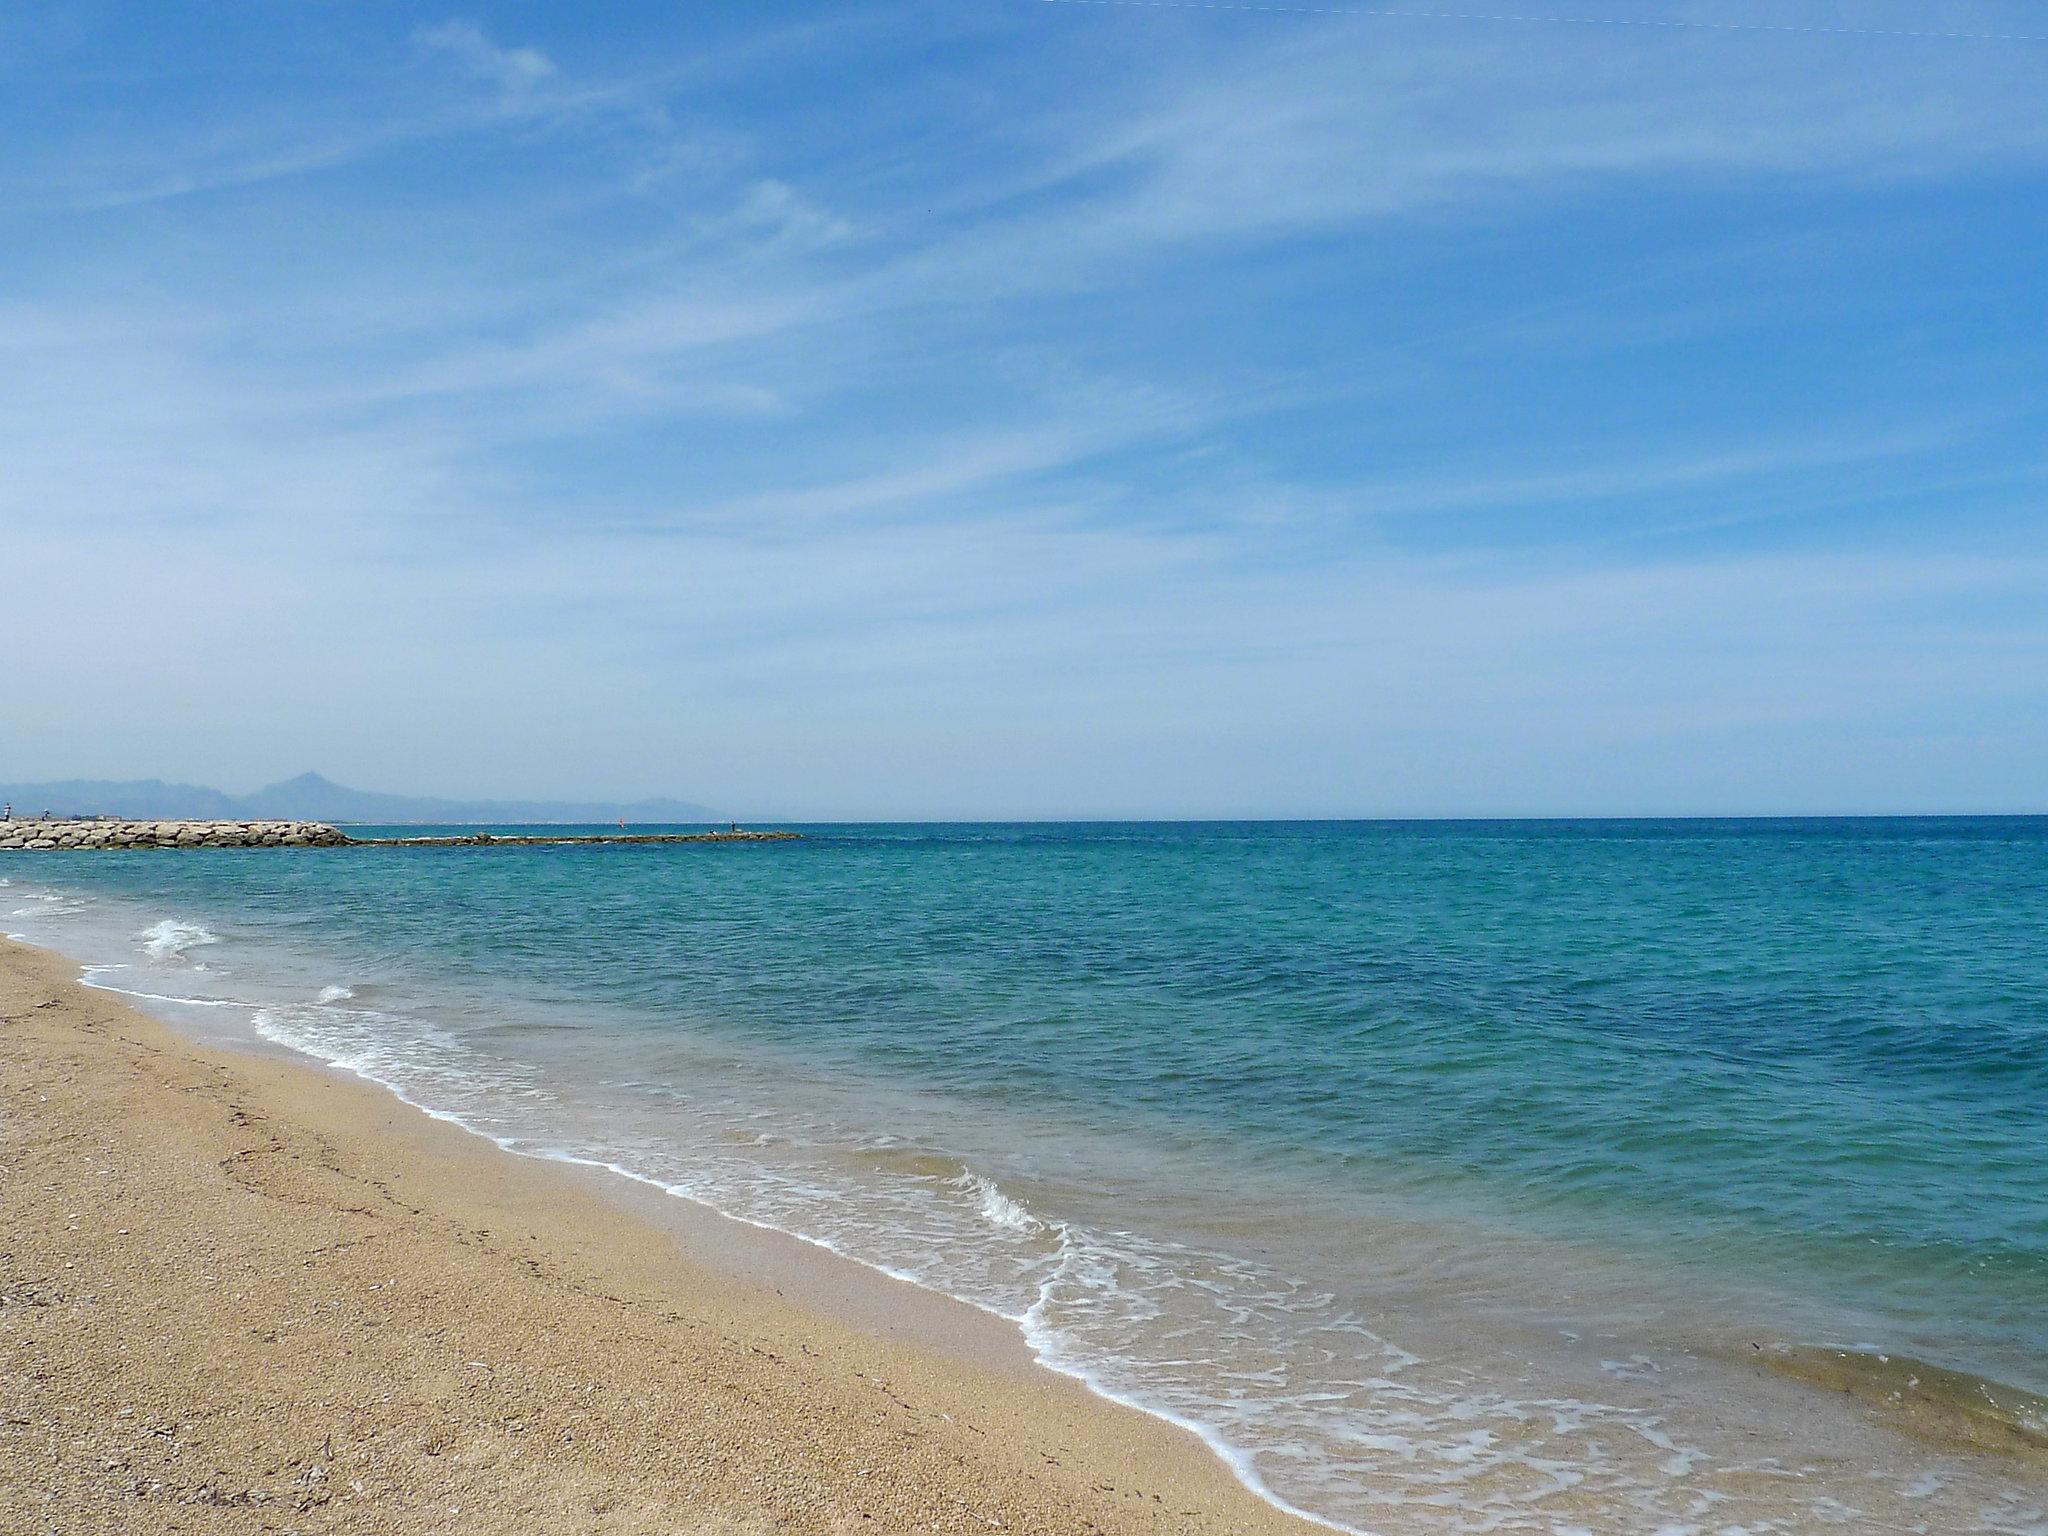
<point>335,995</point>
<point>172,938</point>
<point>46,904</point>
<point>163,997</point>
<point>997,1208</point>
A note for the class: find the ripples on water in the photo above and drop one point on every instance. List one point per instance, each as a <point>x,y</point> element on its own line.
<point>1440,1175</point>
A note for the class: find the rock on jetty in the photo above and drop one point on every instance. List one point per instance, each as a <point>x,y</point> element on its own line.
<point>105,832</point>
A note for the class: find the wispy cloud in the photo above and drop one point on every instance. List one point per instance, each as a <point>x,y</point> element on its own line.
<point>512,70</point>
<point>1321,125</point>
<point>354,109</point>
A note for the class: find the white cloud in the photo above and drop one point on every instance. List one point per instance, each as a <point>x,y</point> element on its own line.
<point>512,69</point>
<point>778,211</point>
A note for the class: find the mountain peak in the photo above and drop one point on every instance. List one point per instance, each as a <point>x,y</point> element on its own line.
<point>307,780</point>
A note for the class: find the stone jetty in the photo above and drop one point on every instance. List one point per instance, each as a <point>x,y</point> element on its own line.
<point>553,839</point>
<point>107,832</point>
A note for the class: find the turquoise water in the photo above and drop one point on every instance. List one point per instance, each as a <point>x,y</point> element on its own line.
<point>1344,1143</point>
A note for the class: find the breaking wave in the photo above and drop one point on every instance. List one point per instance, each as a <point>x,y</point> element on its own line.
<point>172,939</point>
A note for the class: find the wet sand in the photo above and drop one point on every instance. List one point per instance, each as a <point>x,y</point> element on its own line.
<point>238,1294</point>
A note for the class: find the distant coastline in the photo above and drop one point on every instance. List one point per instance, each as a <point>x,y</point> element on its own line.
<point>311,797</point>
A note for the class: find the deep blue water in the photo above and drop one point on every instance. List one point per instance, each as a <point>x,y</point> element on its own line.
<point>1798,1066</point>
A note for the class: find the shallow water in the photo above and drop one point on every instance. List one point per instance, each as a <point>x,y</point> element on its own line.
<point>1448,1177</point>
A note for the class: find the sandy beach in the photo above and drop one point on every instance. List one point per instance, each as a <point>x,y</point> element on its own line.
<point>240,1294</point>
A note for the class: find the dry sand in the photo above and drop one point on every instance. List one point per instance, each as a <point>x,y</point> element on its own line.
<point>239,1295</point>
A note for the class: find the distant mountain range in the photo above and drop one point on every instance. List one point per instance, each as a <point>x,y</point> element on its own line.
<point>310,797</point>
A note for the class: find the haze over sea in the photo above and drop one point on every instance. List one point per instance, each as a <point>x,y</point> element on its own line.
<point>1446,1176</point>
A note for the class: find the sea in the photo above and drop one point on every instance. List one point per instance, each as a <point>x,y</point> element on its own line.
<point>1669,1178</point>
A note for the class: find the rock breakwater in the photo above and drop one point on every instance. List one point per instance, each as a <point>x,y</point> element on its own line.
<point>105,832</point>
<point>556,839</point>
<point>109,832</point>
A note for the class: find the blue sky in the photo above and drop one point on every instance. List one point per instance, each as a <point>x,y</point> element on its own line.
<point>1000,407</point>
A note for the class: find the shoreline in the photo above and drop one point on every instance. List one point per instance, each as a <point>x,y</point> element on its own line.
<point>242,1284</point>
<point>1751,1405</point>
